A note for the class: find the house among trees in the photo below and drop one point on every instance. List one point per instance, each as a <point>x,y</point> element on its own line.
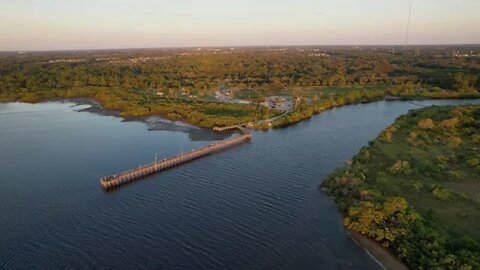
<point>225,90</point>
<point>283,103</point>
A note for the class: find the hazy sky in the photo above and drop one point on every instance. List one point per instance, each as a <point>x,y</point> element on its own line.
<point>92,24</point>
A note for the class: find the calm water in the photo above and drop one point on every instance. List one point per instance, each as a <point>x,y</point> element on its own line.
<point>252,207</point>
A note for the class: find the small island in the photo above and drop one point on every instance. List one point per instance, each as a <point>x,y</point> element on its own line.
<point>415,189</point>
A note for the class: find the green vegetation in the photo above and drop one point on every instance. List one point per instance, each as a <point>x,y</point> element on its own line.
<point>180,84</point>
<point>415,189</point>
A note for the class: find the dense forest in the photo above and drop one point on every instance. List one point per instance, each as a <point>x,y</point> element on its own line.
<point>415,189</point>
<point>317,77</point>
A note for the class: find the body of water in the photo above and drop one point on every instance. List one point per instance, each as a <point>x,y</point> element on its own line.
<point>255,206</point>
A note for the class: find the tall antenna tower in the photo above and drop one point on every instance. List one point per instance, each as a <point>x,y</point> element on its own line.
<point>408,24</point>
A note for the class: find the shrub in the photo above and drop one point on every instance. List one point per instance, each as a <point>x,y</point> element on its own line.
<point>454,141</point>
<point>457,111</point>
<point>441,159</point>
<point>450,123</point>
<point>476,138</point>
<point>412,139</point>
<point>426,123</point>
<point>441,193</point>
<point>387,134</point>
<point>364,155</point>
<point>428,167</point>
<point>400,166</point>
<point>383,222</point>
<point>473,162</point>
<point>456,175</point>
<point>417,186</point>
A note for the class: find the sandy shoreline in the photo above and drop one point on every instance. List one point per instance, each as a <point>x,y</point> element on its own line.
<point>383,257</point>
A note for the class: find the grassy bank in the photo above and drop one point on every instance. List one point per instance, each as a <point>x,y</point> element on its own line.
<point>325,98</point>
<point>415,188</point>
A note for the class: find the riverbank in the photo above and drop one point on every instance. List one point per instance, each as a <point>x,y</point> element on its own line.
<point>415,185</point>
<point>306,112</point>
<point>383,256</point>
<point>209,114</point>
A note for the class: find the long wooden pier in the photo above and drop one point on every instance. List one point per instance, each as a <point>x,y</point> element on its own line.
<point>116,180</point>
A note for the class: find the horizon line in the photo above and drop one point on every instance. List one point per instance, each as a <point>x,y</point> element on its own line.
<point>242,46</point>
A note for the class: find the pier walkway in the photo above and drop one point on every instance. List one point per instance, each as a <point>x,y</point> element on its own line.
<point>242,129</point>
<point>113,181</point>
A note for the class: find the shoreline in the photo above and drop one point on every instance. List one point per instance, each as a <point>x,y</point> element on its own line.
<point>98,108</point>
<point>385,98</point>
<point>382,256</point>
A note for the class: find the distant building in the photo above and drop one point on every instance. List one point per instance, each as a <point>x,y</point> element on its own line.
<point>277,103</point>
<point>225,90</point>
<point>283,103</point>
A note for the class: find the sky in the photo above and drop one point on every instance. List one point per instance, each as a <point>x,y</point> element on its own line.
<point>103,24</point>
